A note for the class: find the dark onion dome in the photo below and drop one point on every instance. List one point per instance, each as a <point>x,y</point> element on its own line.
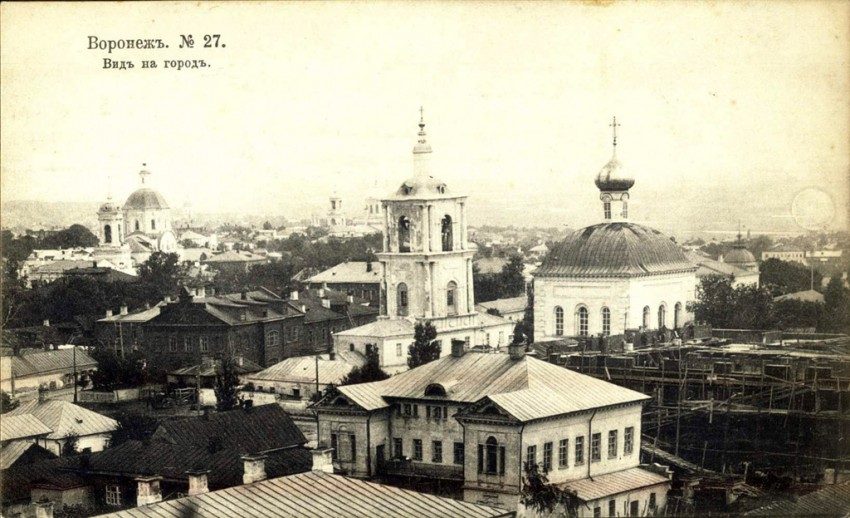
<point>739,255</point>
<point>145,198</point>
<point>613,177</point>
<point>618,249</point>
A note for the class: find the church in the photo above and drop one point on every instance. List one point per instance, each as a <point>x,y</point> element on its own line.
<point>129,234</point>
<point>427,272</point>
<point>614,275</point>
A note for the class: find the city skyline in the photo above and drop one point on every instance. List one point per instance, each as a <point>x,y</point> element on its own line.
<point>725,113</point>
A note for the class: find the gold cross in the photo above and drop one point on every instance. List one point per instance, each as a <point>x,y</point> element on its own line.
<point>614,125</point>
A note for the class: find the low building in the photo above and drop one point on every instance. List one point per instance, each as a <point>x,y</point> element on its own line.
<point>46,369</point>
<point>66,420</point>
<point>785,252</point>
<point>206,373</point>
<point>316,493</point>
<point>511,309</point>
<point>328,312</point>
<point>474,419</point>
<point>233,261</point>
<point>359,278</point>
<point>706,267</point>
<point>296,377</point>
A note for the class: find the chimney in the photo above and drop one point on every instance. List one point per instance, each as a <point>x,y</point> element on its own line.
<point>147,490</point>
<point>201,292</point>
<point>44,509</point>
<point>293,295</point>
<point>255,468</point>
<point>303,308</point>
<point>368,266</point>
<point>332,355</point>
<point>516,352</point>
<point>42,394</point>
<point>350,298</point>
<point>326,303</point>
<point>147,305</point>
<point>124,309</point>
<point>168,298</point>
<point>198,481</point>
<point>108,313</point>
<point>458,347</point>
<point>323,460</point>
<point>244,295</point>
<point>46,323</point>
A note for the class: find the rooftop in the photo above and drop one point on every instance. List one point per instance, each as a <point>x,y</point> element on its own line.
<point>314,494</point>
<point>351,272</point>
<point>64,418</point>
<point>302,369</point>
<point>46,362</point>
<point>805,296</point>
<point>610,484</point>
<point>511,305</point>
<point>21,427</point>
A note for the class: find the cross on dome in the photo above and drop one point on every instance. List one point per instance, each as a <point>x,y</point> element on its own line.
<point>614,126</point>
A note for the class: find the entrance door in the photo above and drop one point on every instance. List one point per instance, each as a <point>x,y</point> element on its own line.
<point>379,458</point>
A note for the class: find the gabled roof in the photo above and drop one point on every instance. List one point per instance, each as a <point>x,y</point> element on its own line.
<point>21,426</point>
<point>350,272</point>
<point>137,315</point>
<point>62,266</point>
<point>259,429</point>
<point>18,480</point>
<point>232,256</point>
<point>46,362</point>
<point>526,388</point>
<point>134,458</point>
<point>211,369</point>
<point>805,296</point>
<point>64,418</point>
<point>314,494</point>
<point>103,273</point>
<point>12,453</point>
<point>611,484</point>
<point>302,369</point>
<point>708,266</point>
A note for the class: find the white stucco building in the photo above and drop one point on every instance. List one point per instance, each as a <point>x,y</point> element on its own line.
<point>614,275</point>
<point>427,272</point>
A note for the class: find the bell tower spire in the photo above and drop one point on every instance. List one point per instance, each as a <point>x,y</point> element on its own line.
<point>422,150</point>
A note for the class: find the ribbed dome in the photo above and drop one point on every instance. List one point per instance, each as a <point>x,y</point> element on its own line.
<point>614,250</point>
<point>145,198</point>
<point>613,177</point>
<point>109,207</point>
<point>739,255</point>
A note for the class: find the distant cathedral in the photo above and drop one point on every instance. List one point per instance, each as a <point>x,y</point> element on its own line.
<point>130,233</point>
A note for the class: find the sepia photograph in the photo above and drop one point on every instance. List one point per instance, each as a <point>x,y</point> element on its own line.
<point>433,259</point>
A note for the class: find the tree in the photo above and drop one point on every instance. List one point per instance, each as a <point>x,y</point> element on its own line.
<point>114,372</point>
<point>836,297</point>
<point>162,272</point>
<point>371,371</point>
<point>267,226</point>
<point>782,277</point>
<point>714,301</point>
<point>544,498</point>
<point>7,404</point>
<point>424,348</point>
<point>133,427</point>
<point>511,279</point>
<point>72,442</point>
<point>226,382</point>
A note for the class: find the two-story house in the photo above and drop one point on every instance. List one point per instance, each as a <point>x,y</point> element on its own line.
<point>475,419</point>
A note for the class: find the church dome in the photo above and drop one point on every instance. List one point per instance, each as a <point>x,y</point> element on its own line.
<point>618,249</point>
<point>739,255</point>
<point>422,186</point>
<point>143,199</point>
<point>613,177</point>
<point>109,207</point>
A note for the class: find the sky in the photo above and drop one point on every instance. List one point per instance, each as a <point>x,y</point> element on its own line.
<point>729,111</point>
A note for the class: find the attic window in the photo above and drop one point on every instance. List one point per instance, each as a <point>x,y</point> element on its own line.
<point>435,389</point>
<point>441,189</point>
<point>406,189</point>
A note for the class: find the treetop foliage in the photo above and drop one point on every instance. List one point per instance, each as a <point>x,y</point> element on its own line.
<point>424,348</point>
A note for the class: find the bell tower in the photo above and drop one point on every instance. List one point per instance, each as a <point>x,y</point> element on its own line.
<point>426,257</point>
<point>614,184</point>
<point>110,220</point>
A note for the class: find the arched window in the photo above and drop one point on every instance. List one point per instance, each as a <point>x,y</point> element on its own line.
<point>153,224</point>
<point>404,234</point>
<point>446,232</point>
<point>492,464</point>
<point>451,298</point>
<point>137,225</point>
<point>107,234</point>
<point>677,315</point>
<point>402,300</point>
<point>662,316</point>
<point>606,321</point>
<point>581,321</point>
<point>646,317</point>
<point>559,321</point>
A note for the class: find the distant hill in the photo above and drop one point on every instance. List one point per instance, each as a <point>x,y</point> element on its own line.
<point>27,214</point>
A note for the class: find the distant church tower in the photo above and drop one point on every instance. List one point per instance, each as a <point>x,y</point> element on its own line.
<point>335,215</point>
<point>427,260</point>
<point>110,220</point>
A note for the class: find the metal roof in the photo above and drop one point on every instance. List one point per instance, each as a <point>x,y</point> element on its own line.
<point>611,484</point>
<point>64,417</point>
<point>47,362</point>
<point>21,426</point>
<point>350,272</point>
<point>144,198</point>
<point>805,296</point>
<point>618,249</point>
<point>302,369</point>
<point>381,328</point>
<point>10,453</point>
<point>314,494</point>
<point>831,501</point>
<point>232,256</point>
<point>510,305</point>
<point>527,388</point>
